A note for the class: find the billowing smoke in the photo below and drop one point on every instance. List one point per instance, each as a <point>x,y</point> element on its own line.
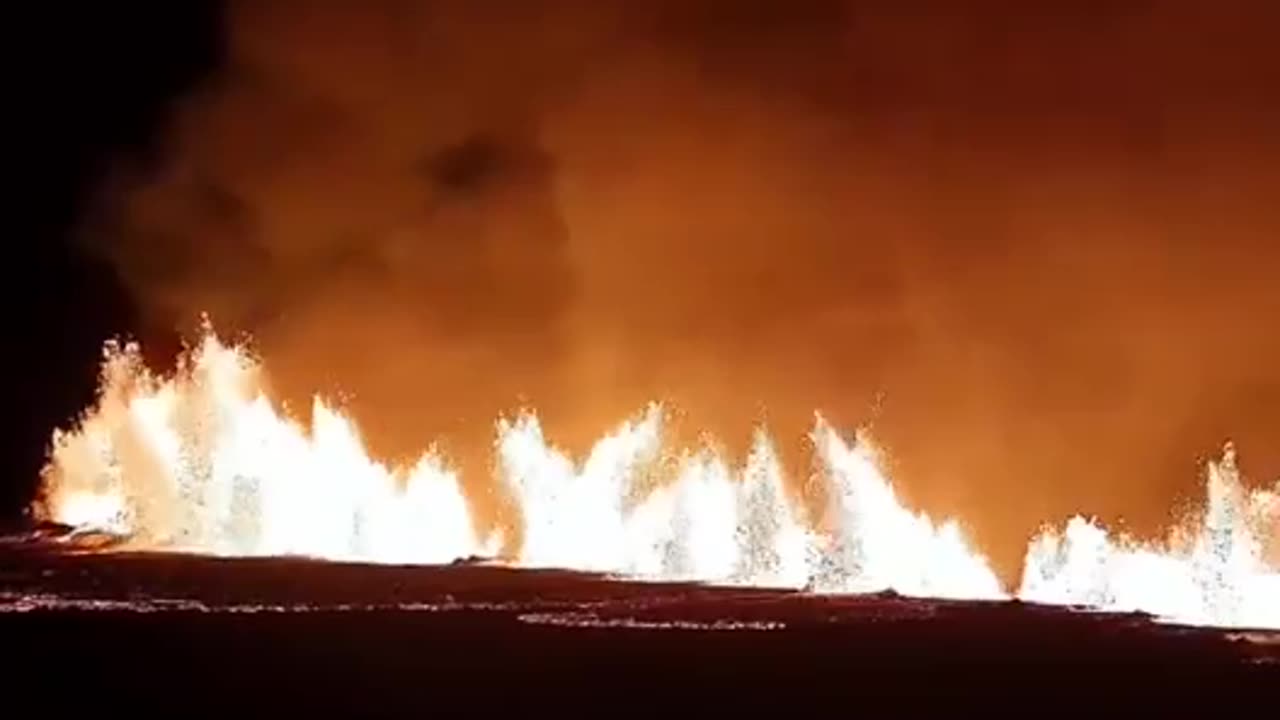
<point>1035,248</point>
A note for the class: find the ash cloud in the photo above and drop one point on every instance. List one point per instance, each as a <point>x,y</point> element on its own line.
<point>1035,247</point>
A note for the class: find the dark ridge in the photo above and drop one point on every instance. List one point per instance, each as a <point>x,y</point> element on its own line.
<point>414,640</point>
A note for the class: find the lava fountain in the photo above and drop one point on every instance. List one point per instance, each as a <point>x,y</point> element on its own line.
<point>201,461</point>
<point>1216,567</point>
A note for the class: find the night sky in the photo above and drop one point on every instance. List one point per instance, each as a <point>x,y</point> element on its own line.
<point>96,89</point>
<point>1034,244</point>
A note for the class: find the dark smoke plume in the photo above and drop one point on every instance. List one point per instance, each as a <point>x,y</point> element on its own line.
<point>1035,246</point>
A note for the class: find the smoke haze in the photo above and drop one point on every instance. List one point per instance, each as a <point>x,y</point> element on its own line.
<point>1035,248</point>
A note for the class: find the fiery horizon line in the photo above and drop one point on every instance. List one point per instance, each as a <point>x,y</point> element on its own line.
<point>201,459</point>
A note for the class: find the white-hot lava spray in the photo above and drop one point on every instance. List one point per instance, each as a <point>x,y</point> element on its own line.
<point>202,462</point>
<point>1215,569</point>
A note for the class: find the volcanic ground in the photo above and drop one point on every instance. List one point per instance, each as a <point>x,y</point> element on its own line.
<point>136,631</point>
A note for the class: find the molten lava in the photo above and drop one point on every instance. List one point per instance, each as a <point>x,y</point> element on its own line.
<point>202,462</point>
<point>1213,570</point>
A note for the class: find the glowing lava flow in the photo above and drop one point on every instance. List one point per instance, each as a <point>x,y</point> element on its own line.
<point>1214,569</point>
<point>202,462</point>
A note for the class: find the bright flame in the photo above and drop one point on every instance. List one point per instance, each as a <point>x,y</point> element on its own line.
<point>202,462</point>
<point>1214,570</point>
<point>880,544</point>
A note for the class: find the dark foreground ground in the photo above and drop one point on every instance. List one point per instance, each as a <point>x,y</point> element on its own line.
<point>177,635</point>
